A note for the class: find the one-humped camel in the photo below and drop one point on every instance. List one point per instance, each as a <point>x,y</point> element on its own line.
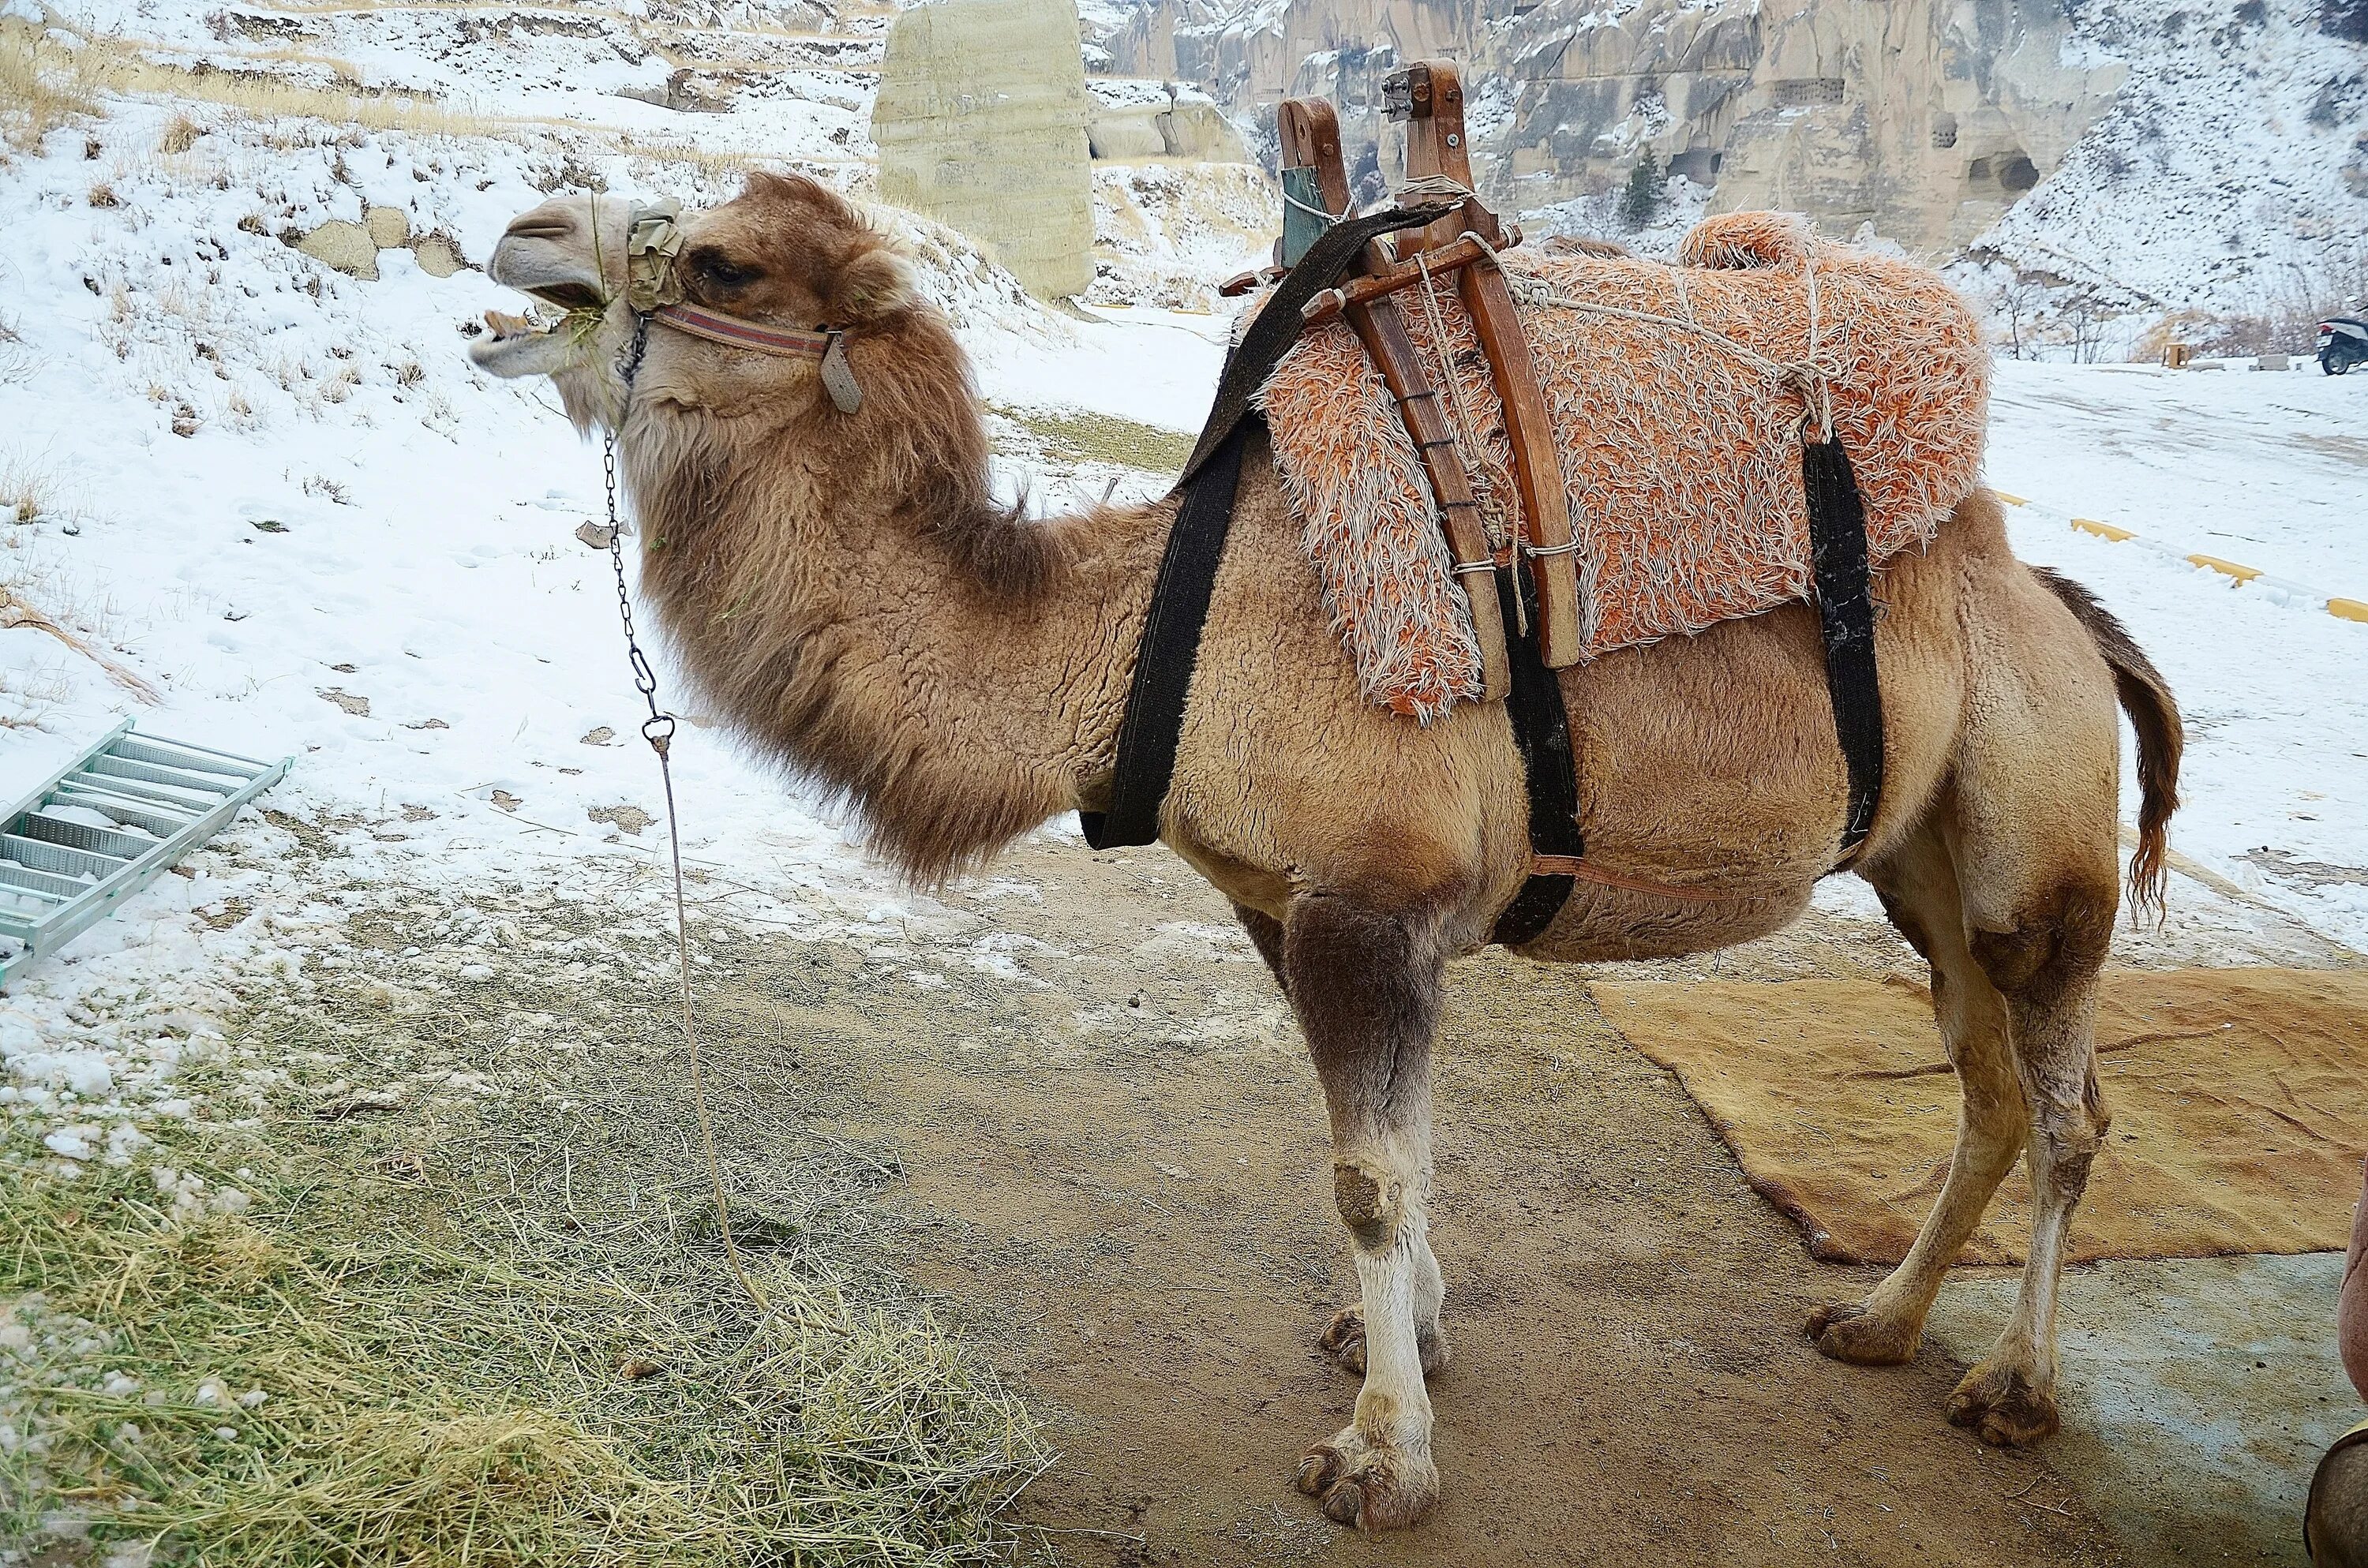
<point>842,588</point>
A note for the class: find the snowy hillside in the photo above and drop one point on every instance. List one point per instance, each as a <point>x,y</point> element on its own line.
<point>2230,179</point>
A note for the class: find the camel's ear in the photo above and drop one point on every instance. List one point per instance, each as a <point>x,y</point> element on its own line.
<point>876,284</point>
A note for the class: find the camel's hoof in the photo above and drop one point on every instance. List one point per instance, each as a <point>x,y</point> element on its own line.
<point>1374,1489</point>
<point>1343,1339</point>
<point>2003,1408</point>
<point>1848,1332</point>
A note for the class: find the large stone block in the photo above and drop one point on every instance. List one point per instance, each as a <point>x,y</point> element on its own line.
<point>389,227</point>
<point>981,123</point>
<point>343,246</point>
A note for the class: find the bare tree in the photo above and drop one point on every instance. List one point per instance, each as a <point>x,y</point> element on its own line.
<point>2019,298</point>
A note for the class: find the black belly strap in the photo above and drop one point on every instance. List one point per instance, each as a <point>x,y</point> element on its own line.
<point>1846,616</point>
<point>1154,724</point>
<point>1846,621</point>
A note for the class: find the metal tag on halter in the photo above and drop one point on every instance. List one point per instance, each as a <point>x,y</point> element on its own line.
<point>837,379</point>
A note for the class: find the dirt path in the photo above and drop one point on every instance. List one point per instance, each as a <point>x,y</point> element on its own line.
<point>1115,1162</point>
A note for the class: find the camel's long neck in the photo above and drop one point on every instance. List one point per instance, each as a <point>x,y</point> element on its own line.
<point>848,636</point>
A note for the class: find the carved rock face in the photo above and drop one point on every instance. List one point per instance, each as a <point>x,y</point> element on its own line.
<point>1927,117</point>
<point>981,123</point>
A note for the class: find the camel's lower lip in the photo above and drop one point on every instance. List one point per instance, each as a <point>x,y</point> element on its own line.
<point>504,327</point>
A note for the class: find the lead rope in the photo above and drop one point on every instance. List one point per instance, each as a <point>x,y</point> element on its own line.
<point>658,730</point>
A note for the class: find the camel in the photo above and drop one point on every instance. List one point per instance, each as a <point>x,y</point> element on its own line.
<point>842,588</point>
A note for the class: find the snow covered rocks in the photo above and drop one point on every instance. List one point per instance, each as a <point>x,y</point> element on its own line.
<point>353,248</point>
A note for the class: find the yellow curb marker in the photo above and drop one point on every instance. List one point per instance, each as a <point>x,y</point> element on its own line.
<point>2105,530</point>
<point>2342,609</point>
<point>2242,574</point>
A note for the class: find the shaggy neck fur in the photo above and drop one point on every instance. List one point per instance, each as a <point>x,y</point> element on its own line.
<point>844,589</point>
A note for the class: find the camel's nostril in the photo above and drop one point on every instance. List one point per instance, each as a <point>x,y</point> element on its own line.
<point>541,226</point>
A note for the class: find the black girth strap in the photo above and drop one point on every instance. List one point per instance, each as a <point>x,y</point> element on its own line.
<point>1541,732</point>
<point>1846,616</point>
<point>1147,736</point>
<point>1154,723</point>
<point>1846,620</point>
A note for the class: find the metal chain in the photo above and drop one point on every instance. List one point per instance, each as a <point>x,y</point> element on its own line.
<point>658,730</point>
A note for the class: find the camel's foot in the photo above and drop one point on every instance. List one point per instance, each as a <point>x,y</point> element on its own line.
<point>1343,1339</point>
<point>1371,1488</point>
<point>2004,1407</point>
<point>1848,1331</point>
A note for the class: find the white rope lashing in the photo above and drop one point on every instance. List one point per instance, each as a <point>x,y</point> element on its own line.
<point>1811,375</point>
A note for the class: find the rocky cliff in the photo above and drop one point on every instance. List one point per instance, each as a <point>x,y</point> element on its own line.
<point>1928,119</point>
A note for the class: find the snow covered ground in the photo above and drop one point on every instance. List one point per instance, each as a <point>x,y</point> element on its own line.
<point>2266,469</point>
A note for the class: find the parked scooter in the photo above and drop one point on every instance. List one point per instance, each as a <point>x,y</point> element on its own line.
<point>2343,343</point>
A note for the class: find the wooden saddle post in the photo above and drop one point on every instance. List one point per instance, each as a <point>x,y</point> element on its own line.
<point>1427,96</point>
<point>1310,135</point>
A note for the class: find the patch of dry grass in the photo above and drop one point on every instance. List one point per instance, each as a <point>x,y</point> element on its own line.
<point>27,489</point>
<point>472,1329</point>
<point>1079,436</point>
<point>45,81</point>
<point>51,74</point>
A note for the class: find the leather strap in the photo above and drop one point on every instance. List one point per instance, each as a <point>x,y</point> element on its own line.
<point>788,343</point>
<point>1542,733</point>
<point>1279,324</point>
<point>1154,723</point>
<point>1846,616</point>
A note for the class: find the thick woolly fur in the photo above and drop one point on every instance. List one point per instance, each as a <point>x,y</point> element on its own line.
<point>850,596</point>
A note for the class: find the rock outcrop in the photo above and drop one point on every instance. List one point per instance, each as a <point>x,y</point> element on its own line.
<point>354,248</point>
<point>1925,118</point>
<point>981,123</point>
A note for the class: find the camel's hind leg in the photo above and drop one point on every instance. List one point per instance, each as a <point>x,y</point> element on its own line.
<point>2045,962</point>
<point>1918,883</point>
<point>2029,822</point>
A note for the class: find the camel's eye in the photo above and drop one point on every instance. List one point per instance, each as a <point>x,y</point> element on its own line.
<point>714,266</point>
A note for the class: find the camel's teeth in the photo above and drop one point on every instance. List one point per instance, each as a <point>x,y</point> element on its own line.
<point>503,326</point>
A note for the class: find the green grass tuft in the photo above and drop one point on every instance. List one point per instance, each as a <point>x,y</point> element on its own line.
<point>1079,436</point>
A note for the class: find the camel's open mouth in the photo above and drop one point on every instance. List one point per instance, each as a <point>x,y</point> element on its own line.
<point>538,343</point>
<point>569,296</point>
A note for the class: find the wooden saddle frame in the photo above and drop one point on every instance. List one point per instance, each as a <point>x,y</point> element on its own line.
<point>1427,97</point>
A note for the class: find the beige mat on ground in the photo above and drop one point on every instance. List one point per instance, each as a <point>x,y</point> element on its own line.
<point>2240,1099</point>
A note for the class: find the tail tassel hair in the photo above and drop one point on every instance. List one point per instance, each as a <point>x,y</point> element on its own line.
<point>2154,714</point>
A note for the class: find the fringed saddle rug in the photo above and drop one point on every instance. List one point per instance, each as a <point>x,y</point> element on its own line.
<point>1678,395</point>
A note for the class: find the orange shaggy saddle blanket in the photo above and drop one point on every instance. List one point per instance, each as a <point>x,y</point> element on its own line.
<point>1679,396</point>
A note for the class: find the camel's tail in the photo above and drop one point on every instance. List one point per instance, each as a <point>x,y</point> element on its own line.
<point>2154,713</point>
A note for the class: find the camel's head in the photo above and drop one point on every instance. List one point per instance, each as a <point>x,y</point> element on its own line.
<point>787,253</point>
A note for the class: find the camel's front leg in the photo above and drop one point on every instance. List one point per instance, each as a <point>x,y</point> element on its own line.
<point>1365,983</point>
<point>1344,1337</point>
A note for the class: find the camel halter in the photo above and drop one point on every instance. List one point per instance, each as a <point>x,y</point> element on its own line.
<point>653,291</point>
